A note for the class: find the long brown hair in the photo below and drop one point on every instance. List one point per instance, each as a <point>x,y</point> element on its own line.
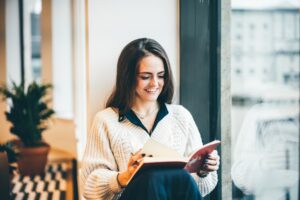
<point>123,94</point>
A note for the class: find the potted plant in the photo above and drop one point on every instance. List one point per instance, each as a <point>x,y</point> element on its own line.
<point>29,113</point>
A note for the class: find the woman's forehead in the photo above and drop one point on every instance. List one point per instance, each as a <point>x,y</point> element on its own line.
<point>152,64</point>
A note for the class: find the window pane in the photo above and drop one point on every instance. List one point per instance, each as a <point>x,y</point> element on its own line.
<point>265,99</point>
<point>35,16</point>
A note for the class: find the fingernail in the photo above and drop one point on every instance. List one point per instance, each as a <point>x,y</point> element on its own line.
<point>136,163</point>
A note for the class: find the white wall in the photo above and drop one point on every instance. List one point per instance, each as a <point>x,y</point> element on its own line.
<point>11,63</point>
<point>113,24</point>
<point>13,46</point>
<point>62,58</point>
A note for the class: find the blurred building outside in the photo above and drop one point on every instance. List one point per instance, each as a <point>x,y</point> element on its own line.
<point>265,46</point>
<point>265,49</point>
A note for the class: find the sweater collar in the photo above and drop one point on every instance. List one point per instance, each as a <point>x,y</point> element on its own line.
<point>131,116</point>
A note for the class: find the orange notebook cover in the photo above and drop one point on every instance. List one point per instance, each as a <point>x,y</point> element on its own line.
<point>159,155</point>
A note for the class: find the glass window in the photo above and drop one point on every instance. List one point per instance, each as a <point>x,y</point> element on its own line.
<point>32,34</point>
<point>59,50</point>
<point>238,37</point>
<point>239,25</point>
<point>265,102</point>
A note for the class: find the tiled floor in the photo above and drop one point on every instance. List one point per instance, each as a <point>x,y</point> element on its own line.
<point>58,183</point>
<point>51,185</point>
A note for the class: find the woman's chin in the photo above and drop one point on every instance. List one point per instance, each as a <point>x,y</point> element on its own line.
<point>150,99</point>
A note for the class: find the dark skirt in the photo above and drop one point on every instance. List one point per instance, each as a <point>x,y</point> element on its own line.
<point>162,184</point>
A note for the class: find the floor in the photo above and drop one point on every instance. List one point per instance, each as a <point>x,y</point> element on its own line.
<point>58,183</point>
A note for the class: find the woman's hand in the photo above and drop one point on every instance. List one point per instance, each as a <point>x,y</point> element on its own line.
<point>133,163</point>
<point>211,163</point>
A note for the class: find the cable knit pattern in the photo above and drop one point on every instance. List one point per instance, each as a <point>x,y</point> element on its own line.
<point>110,143</point>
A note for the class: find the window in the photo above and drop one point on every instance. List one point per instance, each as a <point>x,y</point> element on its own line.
<point>265,103</point>
<point>239,25</point>
<point>57,59</point>
<point>251,71</point>
<point>238,37</point>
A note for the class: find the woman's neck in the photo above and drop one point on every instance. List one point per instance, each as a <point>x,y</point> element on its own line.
<point>145,109</point>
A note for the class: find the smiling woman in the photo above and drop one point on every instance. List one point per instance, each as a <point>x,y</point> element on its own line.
<point>137,111</point>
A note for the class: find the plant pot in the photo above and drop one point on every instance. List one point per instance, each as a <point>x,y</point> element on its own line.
<point>32,160</point>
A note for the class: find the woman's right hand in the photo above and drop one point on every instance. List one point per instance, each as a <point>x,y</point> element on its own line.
<point>133,163</point>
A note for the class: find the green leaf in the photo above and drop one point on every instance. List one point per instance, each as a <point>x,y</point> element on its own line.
<point>28,110</point>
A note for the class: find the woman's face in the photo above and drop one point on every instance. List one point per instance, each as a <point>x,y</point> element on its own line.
<point>150,79</point>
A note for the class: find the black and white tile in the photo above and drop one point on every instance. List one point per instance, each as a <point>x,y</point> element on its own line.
<point>50,186</point>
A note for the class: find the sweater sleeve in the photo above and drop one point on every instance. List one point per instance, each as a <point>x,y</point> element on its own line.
<point>99,169</point>
<point>207,184</point>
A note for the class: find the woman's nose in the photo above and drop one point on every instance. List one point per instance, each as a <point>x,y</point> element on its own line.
<point>154,81</point>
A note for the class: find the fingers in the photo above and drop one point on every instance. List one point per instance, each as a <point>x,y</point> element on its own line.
<point>214,155</point>
<point>212,162</point>
<point>135,159</point>
<point>210,168</point>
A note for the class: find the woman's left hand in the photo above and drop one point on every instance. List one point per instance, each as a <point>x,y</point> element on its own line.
<point>211,163</point>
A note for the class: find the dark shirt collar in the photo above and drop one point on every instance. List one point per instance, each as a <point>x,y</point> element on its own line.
<point>131,116</point>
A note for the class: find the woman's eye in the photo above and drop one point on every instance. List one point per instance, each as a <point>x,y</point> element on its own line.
<point>161,76</point>
<point>144,77</point>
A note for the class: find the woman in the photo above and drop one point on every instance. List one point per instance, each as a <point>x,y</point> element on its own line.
<point>139,108</point>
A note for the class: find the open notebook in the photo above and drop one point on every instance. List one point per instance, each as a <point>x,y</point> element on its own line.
<point>159,155</point>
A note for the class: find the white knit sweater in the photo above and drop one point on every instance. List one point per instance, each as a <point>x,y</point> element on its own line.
<point>110,143</point>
